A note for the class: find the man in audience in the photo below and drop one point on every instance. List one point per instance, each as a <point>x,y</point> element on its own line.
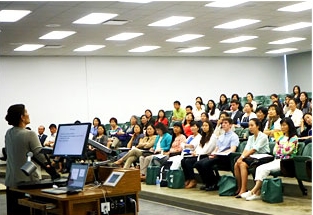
<point>226,144</point>
<point>235,113</point>
<point>42,137</point>
<point>50,140</point>
<point>188,109</point>
<point>178,112</point>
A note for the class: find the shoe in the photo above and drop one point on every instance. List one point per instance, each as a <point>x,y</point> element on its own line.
<point>246,194</point>
<point>187,182</point>
<point>238,196</point>
<point>142,178</point>
<point>192,184</point>
<point>253,197</point>
<point>212,188</point>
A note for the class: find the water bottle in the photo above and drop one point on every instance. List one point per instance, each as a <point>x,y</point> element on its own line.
<point>157,182</point>
<point>238,122</point>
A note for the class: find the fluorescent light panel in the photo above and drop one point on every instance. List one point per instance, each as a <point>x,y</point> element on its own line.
<point>95,18</point>
<point>28,47</point>
<point>12,15</point>
<point>172,20</point>
<point>297,7</point>
<point>239,50</point>
<point>185,37</point>
<point>238,39</point>
<point>124,36</point>
<point>278,51</point>
<point>292,27</point>
<point>287,40</point>
<point>229,3</point>
<point>237,23</point>
<point>138,1</point>
<point>144,49</point>
<point>88,48</point>
<point>194,49</point>
<point>57,35</point>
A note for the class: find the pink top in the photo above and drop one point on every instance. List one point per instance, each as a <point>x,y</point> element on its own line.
<point>164,121</point>
<point>176,145</point>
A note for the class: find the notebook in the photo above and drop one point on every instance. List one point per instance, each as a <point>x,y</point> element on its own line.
<point>75,183</point>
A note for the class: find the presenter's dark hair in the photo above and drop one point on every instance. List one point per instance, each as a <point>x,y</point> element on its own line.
<point>14,114</point>
<point>162,127</point>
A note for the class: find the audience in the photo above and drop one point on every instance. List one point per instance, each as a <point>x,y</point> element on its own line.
<point>296,93</point>
<point>223,104</point>
<point>199,99</point>
<point>186,125</point>
<point>178,112</point>
<point>177,139</point>
<point>95,123</point>
<point>102,138</point>
<point>285,148</point>
<point>286,103</point>
<point>304,104</point>
<point>218,129</point>
<point>149,117</point>
<point>294,113</point>
<point>249,97</point>
<point>51,138</point>
<point>226,143</point>
<point>248,115</point>
<point>161,118</point>
<point>236,114</point>
<point>206,146</point>
<point>193,140</point>
<point>115,130</point>
<point>272,126</point>
<point>261,113</point>
<point>144,123</point>
<point>306,127</point>
<point>236,97</point>
<point>42,137</point>
<point>188,109</point>
<point>199,109</point>
<point>257,144</point>
<point>213,112</point>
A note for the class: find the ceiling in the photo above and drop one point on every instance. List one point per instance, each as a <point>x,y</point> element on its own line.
<point>34,25</point>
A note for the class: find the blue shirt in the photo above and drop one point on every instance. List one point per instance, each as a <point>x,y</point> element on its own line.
<point>225,141</point>
<point>260,144</point>
<point>166,142</point>
<point>94,131</point>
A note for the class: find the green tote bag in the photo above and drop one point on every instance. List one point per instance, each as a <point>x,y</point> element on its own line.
<point>152,173</point>
<point>175,179</point>
<point>272,190</point>
<point>227,185</point>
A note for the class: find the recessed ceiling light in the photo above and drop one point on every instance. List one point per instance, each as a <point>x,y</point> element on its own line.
<point>144,49</point>
<point>194,49</point>
<point>241,49</point>
<point>238,39</point>
<point>278,51</point>
<point>115,22</point>
<point>88,48</point>
<point>237,23</point>
<point>172,20</point>
<point>95,18</point>
<point>28,47</point>
<point>124,36</point>
<point>297,7</point>
<point>292,27</point>
<point>185,37</point>
<point>287,40</point>
<point>56,35</point>
<point>225,3</point>
<point>12,15</point>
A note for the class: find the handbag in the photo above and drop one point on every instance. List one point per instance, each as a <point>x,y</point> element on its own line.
<point>175,179</point>
<point>152,173</point>
<point>272,190</point>
<point>227,185</point>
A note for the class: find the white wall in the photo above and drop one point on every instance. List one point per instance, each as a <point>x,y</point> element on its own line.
<point>64,89</point>
<point>300,71</point>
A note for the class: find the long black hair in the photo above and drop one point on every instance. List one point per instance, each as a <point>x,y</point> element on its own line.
<point>178,124</point>
<point>292,131</point>
<point>206,136</point>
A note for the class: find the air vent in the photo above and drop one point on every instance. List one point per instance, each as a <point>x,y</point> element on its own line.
<point>266,28</point>
<point>53,46</point>
<point>115,22</point>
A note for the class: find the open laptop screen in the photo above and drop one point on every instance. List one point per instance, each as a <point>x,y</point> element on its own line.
<point>77,176</point>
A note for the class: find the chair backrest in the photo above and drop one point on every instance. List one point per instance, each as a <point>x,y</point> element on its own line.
<point>300,148</point>
<point>244,131</point>
<point>238,131</point>
<point>241,146</point>
<point>307,150</point>
<point>271,145</point>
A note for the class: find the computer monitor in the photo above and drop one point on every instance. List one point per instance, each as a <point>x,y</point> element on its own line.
<point>71,140</point>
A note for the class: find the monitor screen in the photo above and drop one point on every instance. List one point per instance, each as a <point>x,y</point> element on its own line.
<point>71,139</point>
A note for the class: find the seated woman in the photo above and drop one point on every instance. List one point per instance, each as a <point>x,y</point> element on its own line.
<point>206,146</point>
<point>102,138</point>
<point>272,126</point>
<point>132,122</point>
<point>261,114</point>
<point>144,123</point>
<point>294,113</point>
<point>249,97</point>
<point>186,125</point>
<point>223,104</point>
<point>148,114</point>
<point>145,143</point>
<point>197,111</point>
<point>304,104</point>
<point>306,128</point>
<point>113,141</point>
<point>162,144</point>
<point>177,139</point>
<point>257,144</point>
<point>218,129</point>
<point>95,123</point>
<point>204,117</point>
<point>161,118</point>
<point>199,99</point>
<point>247,116</point>
<point>285,148</point>
<point>213,112</point>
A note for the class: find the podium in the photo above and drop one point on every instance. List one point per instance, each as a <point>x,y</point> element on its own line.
<point>92,199</point>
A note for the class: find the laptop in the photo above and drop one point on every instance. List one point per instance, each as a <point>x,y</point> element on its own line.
<point>75,183</point>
